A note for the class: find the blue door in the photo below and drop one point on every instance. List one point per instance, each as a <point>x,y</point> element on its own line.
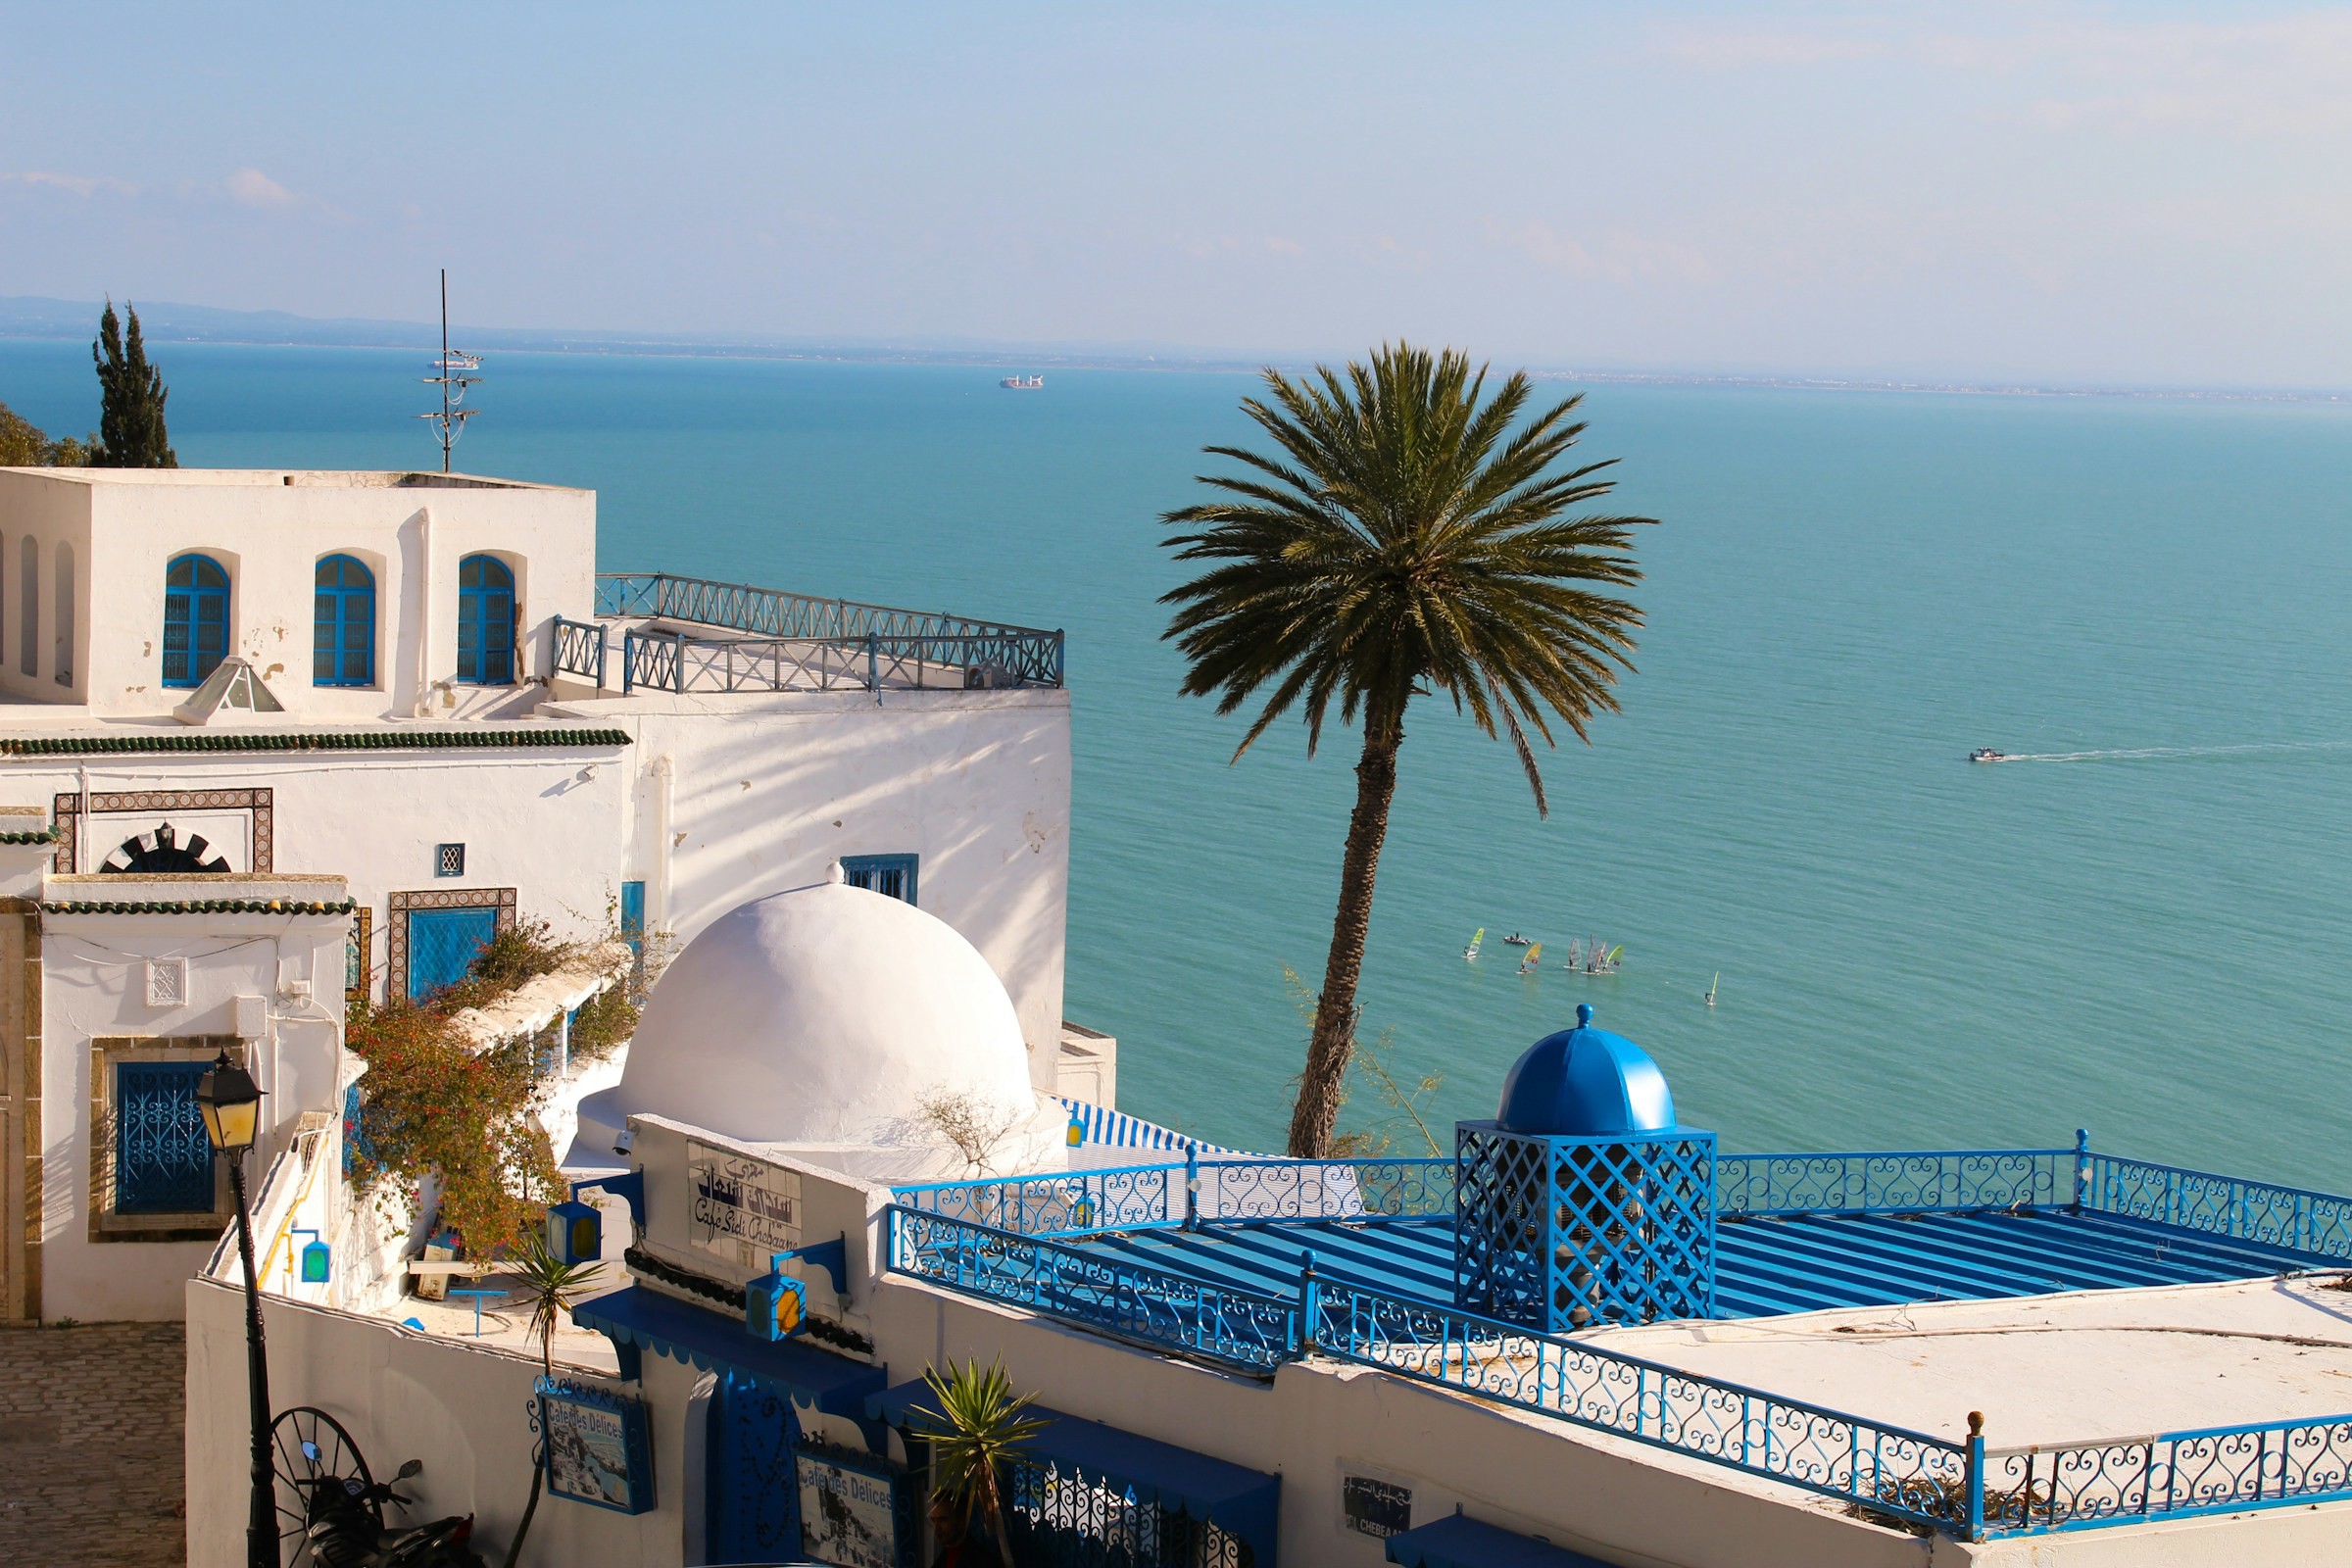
<point>754,1508</point>
<point>442,943</point>
<point>163,1161</point>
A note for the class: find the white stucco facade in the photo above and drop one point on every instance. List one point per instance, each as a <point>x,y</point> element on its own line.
<point>109,535</point>
<point>542,797</point>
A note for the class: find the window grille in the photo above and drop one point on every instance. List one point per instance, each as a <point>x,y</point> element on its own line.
<point>167,982</point>
<point>195,620</point>
<point>343,633</point>
<point>485,622</point>
<point>891,875</point>
<point>163,1161</point>
<point>1058,1515</point>
<point>449,859</point>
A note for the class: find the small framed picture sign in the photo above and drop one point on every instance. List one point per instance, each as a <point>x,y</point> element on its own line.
<point>597,1448</point>
<point>856,1510</point>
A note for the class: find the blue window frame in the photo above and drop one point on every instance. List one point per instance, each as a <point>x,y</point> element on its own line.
<point>485,622</point>
<point>633,916</point>
<point>343,635</point>
<point>443,944</point>
<point>891,875</point>
<point>163,1161</point>
<point>195,620</point>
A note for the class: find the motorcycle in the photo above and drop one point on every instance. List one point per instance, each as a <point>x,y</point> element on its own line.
<point>343,1527</point>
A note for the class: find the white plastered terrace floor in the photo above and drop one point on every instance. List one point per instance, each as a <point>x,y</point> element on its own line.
<point>2086,1364</point>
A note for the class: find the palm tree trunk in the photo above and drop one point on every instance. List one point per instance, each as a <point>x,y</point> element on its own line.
<point>1323,1085</point>
<point>515,1551</point>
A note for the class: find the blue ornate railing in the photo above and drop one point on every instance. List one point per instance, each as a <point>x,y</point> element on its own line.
<point>1153,1306</point>
<point>1892,1470</point>
<point>1199,1192</point>
<point>1900,1182</point>
<point>1061,1202</point>
<point>580,649</point>
<point>792,642</point>
<point>2319,1223</point>
<point>2174,1475</point>
<point>1262,1191</point>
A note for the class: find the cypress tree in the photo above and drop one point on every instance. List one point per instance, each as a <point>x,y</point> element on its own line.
<point>130,411</point>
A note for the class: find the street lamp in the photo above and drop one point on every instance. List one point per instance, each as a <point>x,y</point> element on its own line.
<point>232,1107</point>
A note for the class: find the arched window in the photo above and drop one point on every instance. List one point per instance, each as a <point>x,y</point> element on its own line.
<point>195,620</point>
<point>343,639</point>
<point>485,622</point>
<point>63,571</point>
<point>29,613</point>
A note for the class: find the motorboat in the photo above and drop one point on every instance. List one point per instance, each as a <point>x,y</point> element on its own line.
<point>1986,754</point>
<point>1516,940</point>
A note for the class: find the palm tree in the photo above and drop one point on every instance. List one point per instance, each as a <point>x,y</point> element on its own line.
<point>547,1286</point>
<point>1406,541</point>
<point>976,1429</point>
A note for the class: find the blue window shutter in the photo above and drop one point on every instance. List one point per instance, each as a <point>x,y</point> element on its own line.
<point>485,622</point>
<point>195,621</point>
<point>633,916</point>
<point>442,944</point>
<point>163,1161</point>
<point>343,635</point>
<point>891,875</point>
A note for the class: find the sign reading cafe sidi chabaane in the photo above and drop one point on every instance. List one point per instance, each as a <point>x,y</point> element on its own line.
<point>741,1209</point>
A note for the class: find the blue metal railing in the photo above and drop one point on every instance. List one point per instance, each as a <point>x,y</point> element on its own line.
<point>2293,1218</point>
<point>2173,1475</point>
<point>792,642</point>
<point>580,649</point>
<point>1061,1202</point>
<point>1899,1182</point>
<point>1196,1192</point>
<point>1153,1306</point>
<point>1887,1469</point>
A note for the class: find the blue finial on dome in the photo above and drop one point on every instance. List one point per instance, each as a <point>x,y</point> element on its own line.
<point>1585,1082</point>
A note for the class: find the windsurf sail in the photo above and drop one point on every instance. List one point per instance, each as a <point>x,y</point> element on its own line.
<point>1534,956</point>
<point>1476,937</point>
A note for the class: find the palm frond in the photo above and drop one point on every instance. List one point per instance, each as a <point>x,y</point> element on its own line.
<point>1412,531</point>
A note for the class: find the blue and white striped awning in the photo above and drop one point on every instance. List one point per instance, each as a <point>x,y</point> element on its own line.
<point>1115,1129</point>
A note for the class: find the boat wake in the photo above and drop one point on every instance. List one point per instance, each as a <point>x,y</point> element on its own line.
<point>2145,752</point>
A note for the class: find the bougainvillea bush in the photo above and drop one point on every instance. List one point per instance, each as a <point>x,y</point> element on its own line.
<point>435,1105</point>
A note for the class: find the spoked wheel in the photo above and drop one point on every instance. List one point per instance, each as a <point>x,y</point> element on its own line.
<point>310,1448</point>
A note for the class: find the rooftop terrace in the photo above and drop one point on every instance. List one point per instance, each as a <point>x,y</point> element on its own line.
<point>657,633</point>
<point>1919,1287</point>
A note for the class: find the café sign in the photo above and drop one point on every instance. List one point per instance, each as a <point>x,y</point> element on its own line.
<point>740,1209</point>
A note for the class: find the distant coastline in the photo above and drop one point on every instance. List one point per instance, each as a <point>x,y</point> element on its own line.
<point>53,319</point>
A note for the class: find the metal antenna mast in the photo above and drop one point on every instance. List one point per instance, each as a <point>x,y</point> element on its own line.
<point>453,375</point>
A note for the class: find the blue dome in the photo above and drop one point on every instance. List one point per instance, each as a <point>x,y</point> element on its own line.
<point>1585,1083</point>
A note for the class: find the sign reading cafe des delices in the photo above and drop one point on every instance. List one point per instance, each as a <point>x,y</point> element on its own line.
<point>740,1209</point>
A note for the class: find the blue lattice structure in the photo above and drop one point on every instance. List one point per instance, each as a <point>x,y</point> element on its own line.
<point>1566,1233</point>
<point>1583,1201</point>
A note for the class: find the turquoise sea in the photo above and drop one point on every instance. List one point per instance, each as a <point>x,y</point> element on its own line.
<point>1847,593</point>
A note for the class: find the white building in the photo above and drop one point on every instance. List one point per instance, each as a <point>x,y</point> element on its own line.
<point>2058,1357</point>
<point>238,701</point>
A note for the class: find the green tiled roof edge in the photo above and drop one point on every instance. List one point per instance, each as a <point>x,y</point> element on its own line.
<point>348,740</point>
<point>204,906</point>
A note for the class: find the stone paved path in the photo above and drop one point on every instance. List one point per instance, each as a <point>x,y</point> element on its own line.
<point>90,1457</point>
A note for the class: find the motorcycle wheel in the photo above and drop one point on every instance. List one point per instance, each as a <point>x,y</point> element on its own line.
<point>310,1445</point>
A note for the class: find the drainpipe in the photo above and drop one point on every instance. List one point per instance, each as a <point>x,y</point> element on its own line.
<point>666,784</point>
<point>423,708</point>
<point>82,827</point>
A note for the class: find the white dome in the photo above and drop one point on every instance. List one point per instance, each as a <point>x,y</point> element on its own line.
<point>827,1015</point>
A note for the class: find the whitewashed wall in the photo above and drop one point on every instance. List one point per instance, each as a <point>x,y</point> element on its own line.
<point>528,820</point>
<point>269,534</point>
<point>94,985</point>
<point>764,793</point>
<point>52,513</point>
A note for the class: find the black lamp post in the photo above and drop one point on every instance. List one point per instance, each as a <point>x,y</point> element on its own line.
<point>232,1107</point>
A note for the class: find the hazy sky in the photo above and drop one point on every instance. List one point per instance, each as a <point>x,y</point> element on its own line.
<point>2116,193</point>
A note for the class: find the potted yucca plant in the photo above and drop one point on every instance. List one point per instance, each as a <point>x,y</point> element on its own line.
<point>976,1429</point>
